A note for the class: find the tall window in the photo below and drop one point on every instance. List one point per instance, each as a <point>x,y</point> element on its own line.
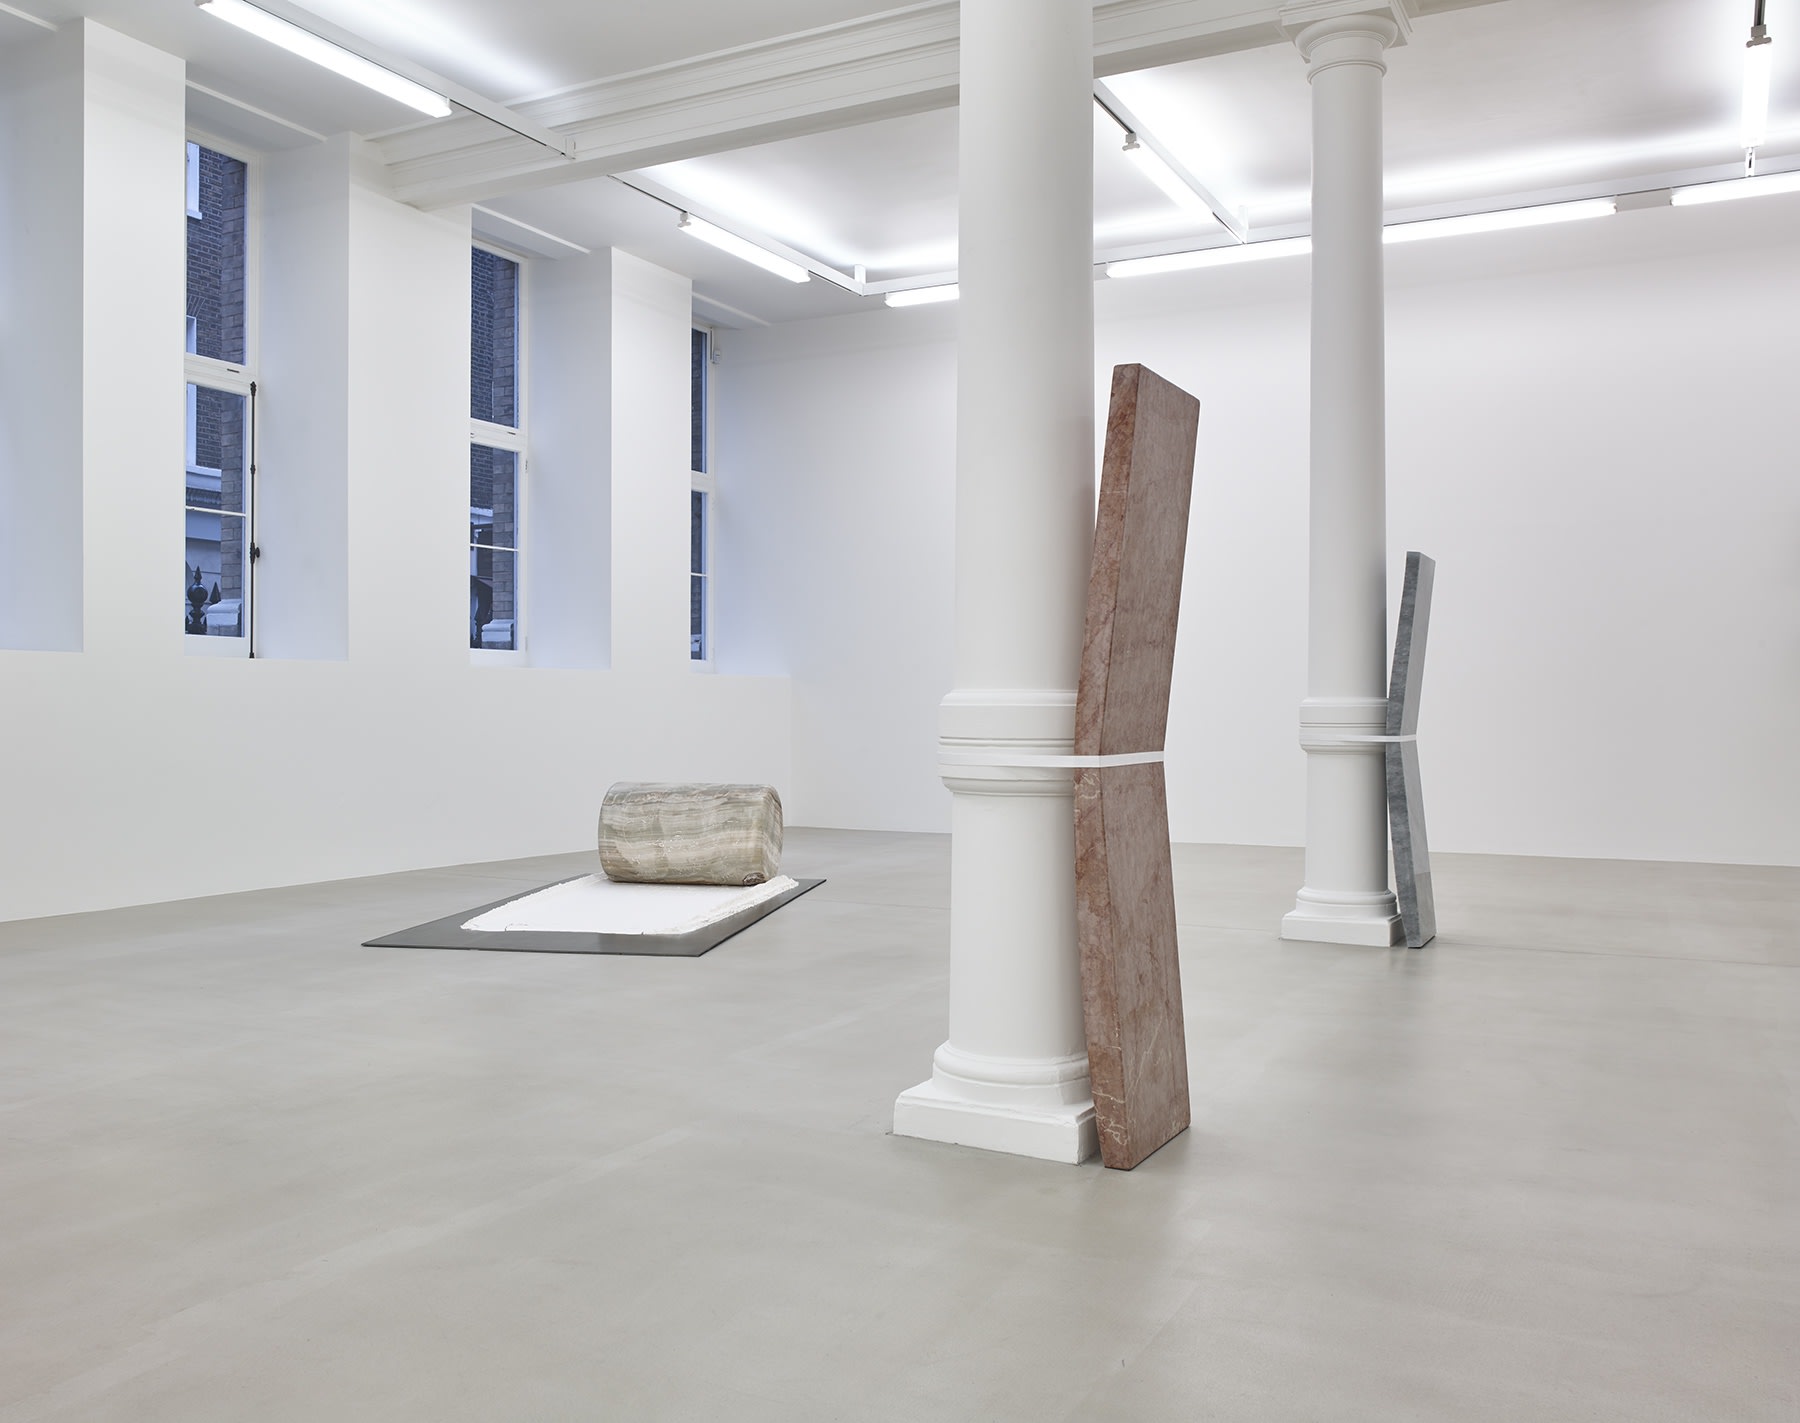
<point>497,462</point>
<point>700,517</point>
<point>221,403</point>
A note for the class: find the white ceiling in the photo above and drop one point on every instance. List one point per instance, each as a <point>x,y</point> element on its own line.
<point>1524,97</point>
<point>506,49</point>
<point>1510,98</point>
<point>1519,97</point>
<point>882,195</point>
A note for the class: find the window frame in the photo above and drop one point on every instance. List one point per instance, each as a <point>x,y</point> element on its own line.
<point>705,483</point>
<point>517,440</point>
<point>193,177</point>
<point>234,378</point>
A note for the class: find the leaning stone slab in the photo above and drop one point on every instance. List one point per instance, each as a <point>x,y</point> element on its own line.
<point>1406,799</point>
<point>1124,882</point>
<point>690,833</point>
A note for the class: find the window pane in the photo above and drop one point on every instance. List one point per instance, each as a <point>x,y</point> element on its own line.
<point>216,464</point>
<point>216,574</point>
<point>494,340</point>
<point>697,403</point>
<point>493,539</point>
<point>213,582</point>
<point>697,577</point>
<point>493,598</point>
<point>493,496</point>
<point>215,256</point>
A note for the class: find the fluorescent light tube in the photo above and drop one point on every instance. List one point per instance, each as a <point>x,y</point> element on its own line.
<point>1210,257</point>
<point>924,296</point>
<point>1400,232</point>
<point>328,55</point>
<point>1165,177</point>
<point>1726,191</point>
<point>1499,221</point>
<point>1756,93</point>
<point>743,249</point>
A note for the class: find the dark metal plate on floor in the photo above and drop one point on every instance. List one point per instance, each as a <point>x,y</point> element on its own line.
<point>448,932</point>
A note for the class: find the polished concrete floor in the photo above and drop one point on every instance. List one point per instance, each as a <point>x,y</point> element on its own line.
<point>1546,1169</point>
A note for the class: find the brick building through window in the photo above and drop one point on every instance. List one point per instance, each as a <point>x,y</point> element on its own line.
<point>216,572</point>
<point>496,452</point>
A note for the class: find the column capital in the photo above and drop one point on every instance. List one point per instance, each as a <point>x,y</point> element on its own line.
<point>1307,22</point>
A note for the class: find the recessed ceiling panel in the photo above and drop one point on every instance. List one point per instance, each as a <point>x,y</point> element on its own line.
<point>884,194</point>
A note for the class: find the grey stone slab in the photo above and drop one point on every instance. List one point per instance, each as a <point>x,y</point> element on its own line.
<point>1406,800</point>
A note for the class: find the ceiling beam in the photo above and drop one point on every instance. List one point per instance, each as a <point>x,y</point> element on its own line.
<point>876,67</point>
<point>879,66</point>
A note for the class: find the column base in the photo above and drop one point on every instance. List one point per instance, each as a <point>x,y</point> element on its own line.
<point>1372,921</point>
<point>1064,1133</point>
<point>1040,1107</point>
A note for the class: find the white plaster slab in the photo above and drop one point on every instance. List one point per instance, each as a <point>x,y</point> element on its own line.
<point>597,905</point>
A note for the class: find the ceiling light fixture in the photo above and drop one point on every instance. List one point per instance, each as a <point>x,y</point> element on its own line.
<point>923,296</point>
<point>1399,232</point>
<point>1733,188</point>
<point>1499,221</point>
<point>1210,257</point>
<point>1162,168</point>
<point>327,55</point>
<point>1151,165</point>
<point>1757,54</point>
<point>743,249</point>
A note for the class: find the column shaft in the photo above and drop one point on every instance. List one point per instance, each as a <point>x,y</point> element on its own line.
<point>1013,1075</point>
<point>1346,897</point>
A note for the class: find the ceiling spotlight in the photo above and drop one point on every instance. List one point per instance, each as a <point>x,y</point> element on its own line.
<point>328,55</point>
<point>1757,54</point>
<point>743,249</point>
<point>923,296</point>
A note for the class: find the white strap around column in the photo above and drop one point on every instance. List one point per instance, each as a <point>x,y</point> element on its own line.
<point>1034,762</point>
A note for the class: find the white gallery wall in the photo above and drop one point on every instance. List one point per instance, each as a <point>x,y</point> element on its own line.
<point>1590,428</point>
<point>138,771</point>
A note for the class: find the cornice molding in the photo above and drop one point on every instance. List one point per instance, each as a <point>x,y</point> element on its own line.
<point>880,66</point>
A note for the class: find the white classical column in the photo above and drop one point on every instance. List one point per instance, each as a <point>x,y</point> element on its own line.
<point>1346,899</point>
<point>1014,1075</point>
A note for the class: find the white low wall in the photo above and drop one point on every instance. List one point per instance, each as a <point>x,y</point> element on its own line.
<point>149,779</point>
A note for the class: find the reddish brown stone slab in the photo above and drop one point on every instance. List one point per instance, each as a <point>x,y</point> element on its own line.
<point>1124,888</point>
